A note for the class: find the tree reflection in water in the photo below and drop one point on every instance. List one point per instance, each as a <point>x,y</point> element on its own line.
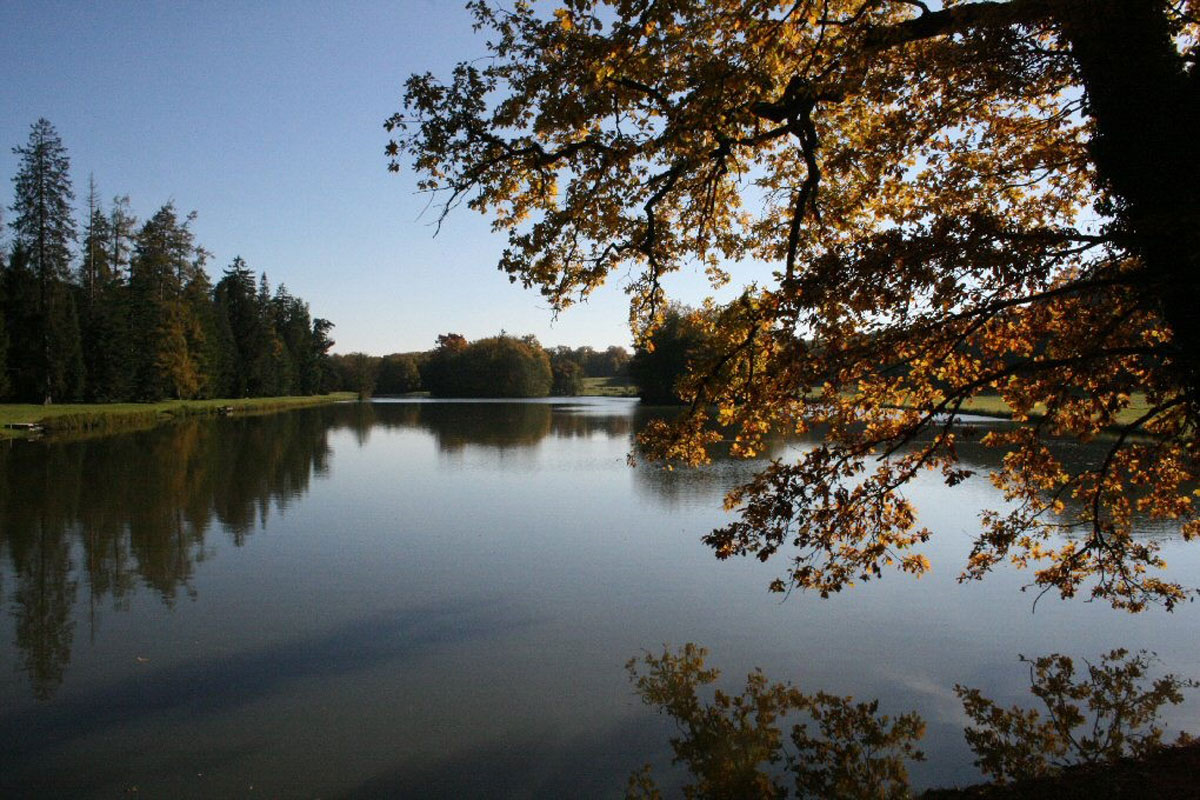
<point>733,745</point>
<point>1100,717</point>
<point>136,509</point>
<point>503,425</point>
<point>107,517</point>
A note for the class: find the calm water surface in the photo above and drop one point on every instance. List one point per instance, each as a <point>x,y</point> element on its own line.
<point>422,599</point>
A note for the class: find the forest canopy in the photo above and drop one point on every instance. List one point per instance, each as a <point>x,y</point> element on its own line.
<point>959,198</point>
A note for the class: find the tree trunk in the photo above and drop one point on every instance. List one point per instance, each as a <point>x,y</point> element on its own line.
<point>1146,110</point>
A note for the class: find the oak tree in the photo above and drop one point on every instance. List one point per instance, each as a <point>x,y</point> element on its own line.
<point>961,198</point>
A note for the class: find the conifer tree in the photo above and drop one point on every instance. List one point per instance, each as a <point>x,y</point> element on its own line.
<point>315,375</point>
<point>43,225</point>
<point>237,304</point>
<point>271,369</point>
<point>3,327</point>
<point>94,267</point>
<point>122,225</point>
<point>164,334</point>
<point>99,307</point>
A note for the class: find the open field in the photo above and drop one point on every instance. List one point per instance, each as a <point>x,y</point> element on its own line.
<point>116,416</point>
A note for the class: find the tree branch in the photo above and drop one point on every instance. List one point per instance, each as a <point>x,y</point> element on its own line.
<point>958,19</point>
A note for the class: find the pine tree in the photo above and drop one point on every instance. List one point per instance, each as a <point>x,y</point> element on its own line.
<point>271,367</point>
<point>95,277</point>
<point>237,307</point>
<point>114,347</point>
<point>22,323</point>
<point>293,325</point>
<point>316,377</point>
<point>3,327</point>
<point>121,227</point>
<point>164,336</point>
<point>44,226</point>
<point>200,327</point>
<point>94,268</point>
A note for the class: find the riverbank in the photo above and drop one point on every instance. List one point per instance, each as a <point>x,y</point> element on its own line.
<point>994,406</point>
<point>608,387</point>
<point>25,420</point>
<point>1166,774</point>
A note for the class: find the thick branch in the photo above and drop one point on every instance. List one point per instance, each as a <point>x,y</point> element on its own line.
<point>958,19</point>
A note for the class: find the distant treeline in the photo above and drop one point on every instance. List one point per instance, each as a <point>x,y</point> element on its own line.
<point>126,311</point>
<point>498,366</point>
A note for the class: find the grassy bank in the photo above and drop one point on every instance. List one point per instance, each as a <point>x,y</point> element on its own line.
<point>84,417</point>
<point>608,387</point>
<point>993,406</point>
<point>981,405</point>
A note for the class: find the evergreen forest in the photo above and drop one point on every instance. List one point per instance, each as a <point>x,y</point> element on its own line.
<point>116,309</point>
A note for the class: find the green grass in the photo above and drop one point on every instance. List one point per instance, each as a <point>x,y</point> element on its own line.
<point>608,387</point>
<point>993,406</point>
<point>83,417</point>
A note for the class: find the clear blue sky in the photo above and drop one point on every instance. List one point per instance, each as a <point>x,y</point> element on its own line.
<point>266,118</point>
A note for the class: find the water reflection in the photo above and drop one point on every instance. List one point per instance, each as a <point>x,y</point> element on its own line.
<point>733,745</point>
<point>139,510</point>
<point>207,686</point>
<point>421,625</point>
<point>136,510</point>
<point>506,425</point>
<point>98,519</point>
<point>714,480</point>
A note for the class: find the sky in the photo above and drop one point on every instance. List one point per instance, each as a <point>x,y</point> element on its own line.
<point>266,118</point>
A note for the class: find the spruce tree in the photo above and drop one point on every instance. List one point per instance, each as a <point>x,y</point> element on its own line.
<point>43,225</point>
<point>316,375</point>
<point>95,311</point>
<point>165,338</point>
<point>238,305</point>
<point>115,346</point>
<point>3,327</point>
<point>94,268</point>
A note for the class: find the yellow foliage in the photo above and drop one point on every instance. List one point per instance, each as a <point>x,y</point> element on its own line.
<point>961,202</point>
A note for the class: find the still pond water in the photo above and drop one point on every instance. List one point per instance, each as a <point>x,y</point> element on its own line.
<point>424,599</point>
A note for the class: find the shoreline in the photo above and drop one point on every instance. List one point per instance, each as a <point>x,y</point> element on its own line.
<point>27,420</point>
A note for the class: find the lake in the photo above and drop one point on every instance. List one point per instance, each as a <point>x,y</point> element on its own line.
<point>437,599</point>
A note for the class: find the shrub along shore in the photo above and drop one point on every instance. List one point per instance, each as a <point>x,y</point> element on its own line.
<point>23,420</point>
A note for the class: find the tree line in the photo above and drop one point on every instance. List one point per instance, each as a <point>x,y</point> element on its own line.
<point>117,310</point>
<point>497,366</point>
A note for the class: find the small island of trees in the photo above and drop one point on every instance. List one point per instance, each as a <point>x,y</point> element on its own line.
<point>497,366</point>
